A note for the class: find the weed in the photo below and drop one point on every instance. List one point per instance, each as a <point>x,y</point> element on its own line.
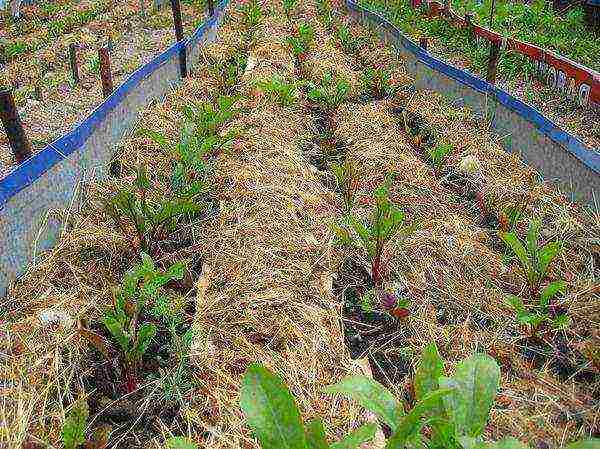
<point>533,257</point>
<point>252,14</point>
<point>348,182</point>
<point>330,93</point>
<point>387,220</point>
<point>73,429</point>
<point>284,92</point>
<point>349,43</point>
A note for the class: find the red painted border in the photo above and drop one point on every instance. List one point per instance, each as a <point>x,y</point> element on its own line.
<point>563,74</point>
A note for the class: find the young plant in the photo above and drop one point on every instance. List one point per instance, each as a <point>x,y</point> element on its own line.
<point>534,317</point>
<point>387,220</point>
<point>141,286</point>
<point>349,43</point>
<point>533,257</point>
<point>274,417</point>
<point>511,215</point>
<point>302,41</point>
<point>93,65</point>
<point>376,82</point>
<point>73,430</point>
<point>152,219</point>
<point>252,14</point>
<point>330,93</point>
<point>289,6</point>
<point>285,93</point>
<point>347,178</point>
<point>438,154</point>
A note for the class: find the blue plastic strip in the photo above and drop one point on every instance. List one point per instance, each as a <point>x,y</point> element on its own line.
<point>33,168</point>
<point>588,156</point>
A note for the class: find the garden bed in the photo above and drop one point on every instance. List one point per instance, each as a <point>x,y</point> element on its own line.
<point>267,275</point>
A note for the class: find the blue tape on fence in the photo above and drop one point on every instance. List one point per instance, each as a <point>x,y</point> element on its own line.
<point>573,145</point>
<point>33,168</point>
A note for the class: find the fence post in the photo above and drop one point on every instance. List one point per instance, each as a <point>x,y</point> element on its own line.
<point>211,7</point>
<point>469,20</point>
<point>105,73</point>
<point>493,62</point>
<point>179,36</point>
<point>13,126</point>
<point>424,43</point>
<point>73,63</point>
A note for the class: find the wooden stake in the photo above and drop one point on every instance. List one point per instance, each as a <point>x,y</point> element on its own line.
<point>73,63</point>
<point>211,7</point>
<point>424,43</point>
<point>179,36</point>
<point>105,72</point>
<point>493,62</point>
<point>13,126</point>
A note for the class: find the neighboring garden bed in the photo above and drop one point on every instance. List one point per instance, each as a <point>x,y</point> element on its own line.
<point>135,41</point>
<point>535,23</point>
<point>301,209</point>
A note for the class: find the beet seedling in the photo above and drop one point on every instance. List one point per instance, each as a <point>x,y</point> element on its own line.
<point>302,41</point>
<point>74,426</point>
<point>348,182</point>
<point>387,220</point>
<point>534,258</point>
<point>153,220</point>
<point>141,286</point>
<point>376,82</point>
<point>330,93</point>
<point>289,6</point>
<point>439,153</point>
<point>285,93</point>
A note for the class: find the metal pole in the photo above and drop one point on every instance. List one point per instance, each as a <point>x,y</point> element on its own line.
<point>105,74</point>
<point>179,36</point>
<point>13,126</point>
<point>73,63</point>
<point>493,62</point>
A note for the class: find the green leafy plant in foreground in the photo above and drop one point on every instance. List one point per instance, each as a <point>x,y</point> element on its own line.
<point>330,93</point>
<point>274,417</point>
<point>386,221</point>
<point>252,14</point>
<point>73,429</point>
<point>450,411</point>
<point>282,91</point>
<point>141,286</point>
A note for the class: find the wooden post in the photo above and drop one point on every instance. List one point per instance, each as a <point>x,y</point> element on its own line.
<point>37,89</point>
<point>424,43</point>
<point>211,7</point>
<point>105,73</point>
<point>493,62</point>
<point>73,63</point>
<point>469,20</point>
<point>13,126</point>
<point>179,36</point>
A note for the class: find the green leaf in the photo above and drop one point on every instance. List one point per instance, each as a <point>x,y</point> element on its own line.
<point>315,435</point>
<point>593,443</point>
<point>431,368</point>
<point>475,384</point>
<point>411,424</point>
<point>533,234</point>
<point>156,137</point>
<point>180,443</point>
<point>73,430</point>
<point>271,411</point>
<point>512,241</point>
<point>550,291</point>
<point>372,396</point>
<point>510,443</point>
<point>546,256</point>
<point>357,437</point>
<point>144,337</point>
<point>116,330</point>
<point>516,303</point>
